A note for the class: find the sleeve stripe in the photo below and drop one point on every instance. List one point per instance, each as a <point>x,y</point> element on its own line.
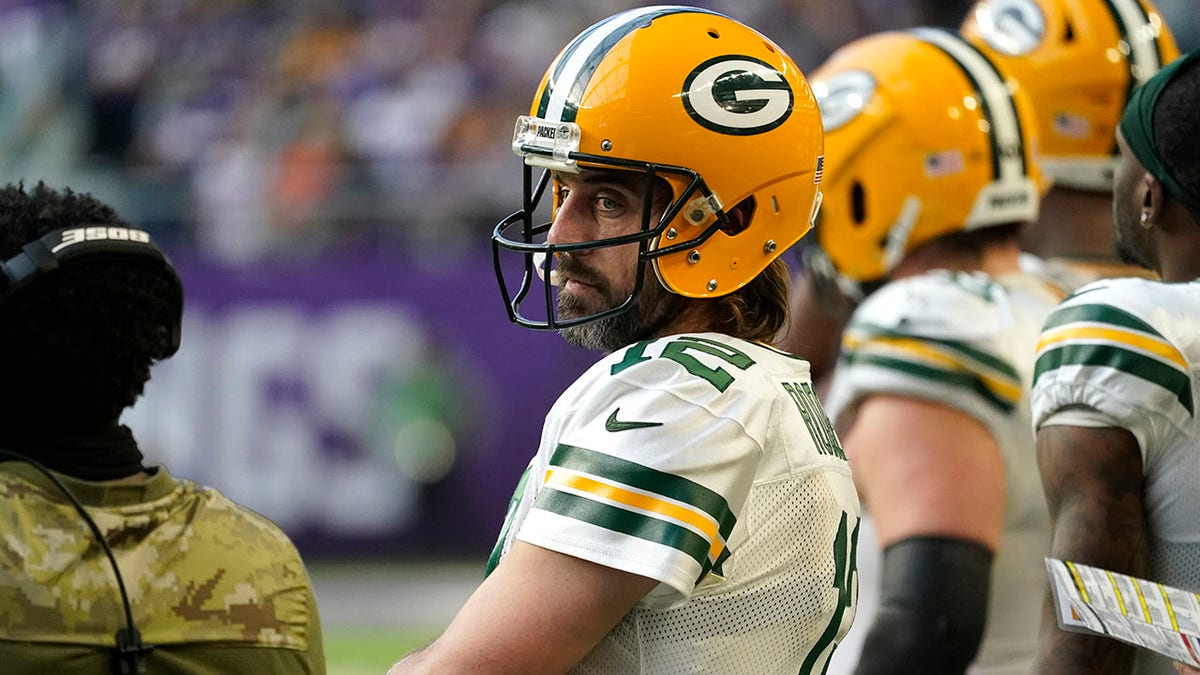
<point>1078,333</point>
<point>513,504</point>
<point>627,522</point>
<point>647,480</point>
<point>867,332</point>
<point>1097,314</point>
<point>1132,363</point>
<point>648,505</point>
<point>1000,383</point>
<point>960,379</point>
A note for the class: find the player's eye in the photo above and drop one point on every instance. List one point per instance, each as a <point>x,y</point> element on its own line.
<point>607,204</point>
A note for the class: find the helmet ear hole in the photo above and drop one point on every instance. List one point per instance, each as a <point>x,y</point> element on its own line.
<point>858,203</point>
<point>740,216</point>
<point>1068,32</point>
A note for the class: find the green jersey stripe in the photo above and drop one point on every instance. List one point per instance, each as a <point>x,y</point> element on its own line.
<point>627,522</point>
<point>1001,367</point>
<point>1098,314</point>
<point>579,60</point>
<point>1129,362</point>
<point>513,503</point>
<point>649,480</point>
<point>960,379</point>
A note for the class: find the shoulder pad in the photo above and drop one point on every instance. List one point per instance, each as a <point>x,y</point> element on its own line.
<point>952,305</point>
<point>1125,291</point>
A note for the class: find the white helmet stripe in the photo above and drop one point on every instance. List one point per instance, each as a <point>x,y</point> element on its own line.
<point>998,105</point>
<point>1136,30</point>
<point>580,58</point>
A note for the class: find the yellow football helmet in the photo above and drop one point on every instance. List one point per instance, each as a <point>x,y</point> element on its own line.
<point>683,94</point>
<point>1079,60</point>
<point>924,138</point>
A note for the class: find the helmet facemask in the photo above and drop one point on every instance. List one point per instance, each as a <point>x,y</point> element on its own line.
<point>691,204</point>
<point>672,93</point>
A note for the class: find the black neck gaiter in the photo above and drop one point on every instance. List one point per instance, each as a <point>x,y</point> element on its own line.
<point>105,454</point>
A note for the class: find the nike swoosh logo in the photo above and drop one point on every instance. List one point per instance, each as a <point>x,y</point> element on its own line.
<point>613,424</point>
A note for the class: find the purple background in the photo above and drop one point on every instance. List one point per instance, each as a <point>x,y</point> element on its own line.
<point>505,377</point>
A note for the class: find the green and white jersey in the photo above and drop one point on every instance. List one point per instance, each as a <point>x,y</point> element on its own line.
<point>707,463</point>
<point>1069,274</point>
<point>1125,353</point>
<point>966,340</point>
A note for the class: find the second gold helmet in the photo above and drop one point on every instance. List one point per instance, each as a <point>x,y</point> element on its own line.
<point>1079,60</point>
<point>923,138</point>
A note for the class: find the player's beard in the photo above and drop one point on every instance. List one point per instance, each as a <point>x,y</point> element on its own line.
<point>652,309</point>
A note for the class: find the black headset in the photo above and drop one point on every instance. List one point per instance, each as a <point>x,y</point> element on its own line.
<point>69,246</point>
<point>63,248</point>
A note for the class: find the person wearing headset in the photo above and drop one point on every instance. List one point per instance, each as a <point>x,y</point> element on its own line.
<point>107,564</point>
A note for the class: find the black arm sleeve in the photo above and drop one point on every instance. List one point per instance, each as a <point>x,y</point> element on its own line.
<point>932,610</point>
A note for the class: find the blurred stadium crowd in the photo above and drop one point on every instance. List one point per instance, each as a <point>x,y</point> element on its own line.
<point>282,129</point>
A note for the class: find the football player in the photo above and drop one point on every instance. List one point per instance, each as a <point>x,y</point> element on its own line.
<point>931,169</point>
<point>689,508</point>
<point>1115,387</point>
<point>1079,61</point>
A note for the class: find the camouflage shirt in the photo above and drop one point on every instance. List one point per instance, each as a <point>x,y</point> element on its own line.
<point>214,586</point>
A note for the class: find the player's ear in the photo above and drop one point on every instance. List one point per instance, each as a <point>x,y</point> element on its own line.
<point>1153,196</point>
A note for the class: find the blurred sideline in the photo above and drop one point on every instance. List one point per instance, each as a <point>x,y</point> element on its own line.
<point>374,613</point>
<point>402,595</point>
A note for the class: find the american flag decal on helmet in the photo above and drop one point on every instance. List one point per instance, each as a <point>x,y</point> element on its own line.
<point>820,172</point>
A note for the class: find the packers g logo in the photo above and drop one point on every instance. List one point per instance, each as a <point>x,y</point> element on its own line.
<point>1011,27</point>
<point>737,95</point>
<point>843,97</point>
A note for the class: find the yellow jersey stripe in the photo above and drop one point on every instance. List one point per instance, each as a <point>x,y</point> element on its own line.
<point>930,354</point>
<point>1075,332</point>
<point>636,500</point>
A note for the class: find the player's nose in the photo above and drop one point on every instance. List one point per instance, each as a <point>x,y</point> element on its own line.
<point>570,223</point>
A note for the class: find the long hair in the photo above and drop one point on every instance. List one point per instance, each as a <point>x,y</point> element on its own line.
<point>758,310</point>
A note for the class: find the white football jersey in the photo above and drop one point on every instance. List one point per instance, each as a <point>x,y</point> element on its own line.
<point>707,463</point>
<point>1125,353</point>
<point>966,340</point>
<point>1071,274</point>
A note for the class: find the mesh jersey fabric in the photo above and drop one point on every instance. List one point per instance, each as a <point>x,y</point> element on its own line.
<point>966,340</point>
<point>704,462</point>
<point>1124,353</point>
<point>214,587</point>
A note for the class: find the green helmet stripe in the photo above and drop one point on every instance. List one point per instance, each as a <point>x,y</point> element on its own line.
<point>574,68</point>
